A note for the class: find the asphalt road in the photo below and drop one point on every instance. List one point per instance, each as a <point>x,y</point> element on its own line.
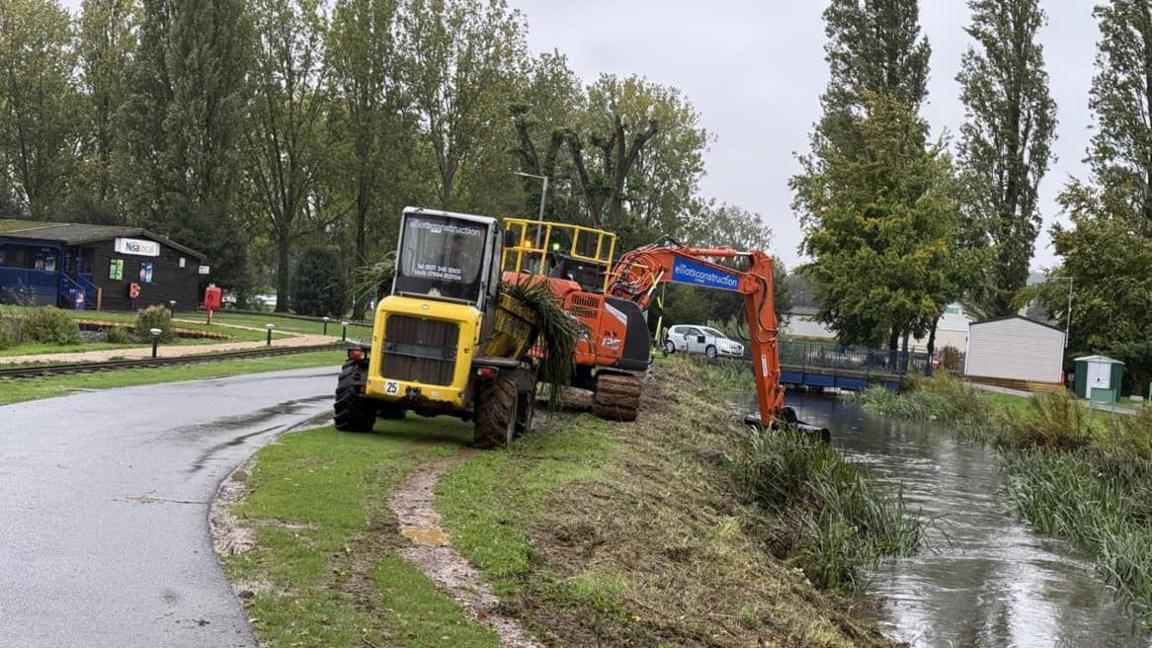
<point>104,500</point>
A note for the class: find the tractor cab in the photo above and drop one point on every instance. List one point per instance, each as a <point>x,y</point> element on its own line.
<point>448,257</point>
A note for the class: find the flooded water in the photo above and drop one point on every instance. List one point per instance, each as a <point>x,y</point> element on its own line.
<point>985,579</point>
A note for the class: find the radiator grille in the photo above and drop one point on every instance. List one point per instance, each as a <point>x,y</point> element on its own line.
<point>419,350</point>
<point>585,306</point>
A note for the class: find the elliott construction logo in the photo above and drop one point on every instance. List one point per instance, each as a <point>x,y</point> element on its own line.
<point>697,274</point>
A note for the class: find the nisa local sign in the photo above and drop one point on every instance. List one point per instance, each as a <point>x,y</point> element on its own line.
<point>139,247</point>
<point>686,271</point>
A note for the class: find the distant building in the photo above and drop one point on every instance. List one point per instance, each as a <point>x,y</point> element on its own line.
<point>1015,349</point>
<point>96,266</point>
<point>802,323</point>
<point>951,330</point>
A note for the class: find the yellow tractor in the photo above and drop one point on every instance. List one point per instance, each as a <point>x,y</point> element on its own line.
<point>446,341</point>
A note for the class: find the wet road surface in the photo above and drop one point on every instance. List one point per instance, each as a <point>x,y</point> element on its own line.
<point>104,501</point>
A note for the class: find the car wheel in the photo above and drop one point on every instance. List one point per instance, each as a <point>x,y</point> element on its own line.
<point>669,347</point>
<point>710,351</point>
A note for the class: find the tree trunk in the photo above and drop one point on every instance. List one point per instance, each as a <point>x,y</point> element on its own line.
<point>360,305</point>
<point>893,348</point>
<point>283,275</point>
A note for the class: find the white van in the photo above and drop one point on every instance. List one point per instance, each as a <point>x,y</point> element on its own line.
<point>701,339</point>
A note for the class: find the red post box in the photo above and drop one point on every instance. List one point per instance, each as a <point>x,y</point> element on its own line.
<point>213,299</point>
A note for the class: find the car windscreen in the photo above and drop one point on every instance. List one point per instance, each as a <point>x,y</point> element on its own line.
<point>441,256</point>
<point>714,332</point>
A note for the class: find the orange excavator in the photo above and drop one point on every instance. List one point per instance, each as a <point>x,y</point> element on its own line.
<point>612,300</point>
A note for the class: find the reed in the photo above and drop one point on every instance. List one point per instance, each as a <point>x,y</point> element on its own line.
<point>831,519</point>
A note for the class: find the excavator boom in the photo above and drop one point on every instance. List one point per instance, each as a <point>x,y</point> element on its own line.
<point>641,271</point>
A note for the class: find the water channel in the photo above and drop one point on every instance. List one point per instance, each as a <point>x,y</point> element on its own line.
<point>985,580</point>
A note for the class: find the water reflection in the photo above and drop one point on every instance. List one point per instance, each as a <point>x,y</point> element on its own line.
<point>986,579</point>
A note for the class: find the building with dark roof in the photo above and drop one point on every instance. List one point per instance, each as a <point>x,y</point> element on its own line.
<point>107,267</point>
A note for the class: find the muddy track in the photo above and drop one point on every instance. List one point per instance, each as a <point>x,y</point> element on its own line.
<point>429,548</point>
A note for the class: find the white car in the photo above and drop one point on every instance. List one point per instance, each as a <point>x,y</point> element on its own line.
<point>701,339</point>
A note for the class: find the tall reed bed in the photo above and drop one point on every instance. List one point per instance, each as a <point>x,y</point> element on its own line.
<point>829,518</point>
<point>1068,472</point>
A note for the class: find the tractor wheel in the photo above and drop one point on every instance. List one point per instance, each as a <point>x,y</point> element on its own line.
<point>525,412</point>
<point>617,397</point>
<point>353,412</point>
<point>496,412</point>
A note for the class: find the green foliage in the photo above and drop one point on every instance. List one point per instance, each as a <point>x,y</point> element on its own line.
<point>373,138</point>
<point>174,177</point>
<point>118,335</point>
<point>49,325</point>
<point>880,224</point>
<point>155,317</point>
<point>38,99</point>
<point>1005,146</point>
<point>8,332</point>
<point>1109,265</point>
<point>1054,420</point>
<point>465,57</point>
<point>559,333</point>
<point>836,521</point>
<point>286,144</point>
<point>943,397</point>
<point>319,286</point>
<point>875,47</point>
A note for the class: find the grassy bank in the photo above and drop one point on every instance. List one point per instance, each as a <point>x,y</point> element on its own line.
<point>593,533</point>
<point>24,389</point>
<point>1071,472</point>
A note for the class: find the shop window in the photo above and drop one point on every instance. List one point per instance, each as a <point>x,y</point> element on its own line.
<point>145,272</point>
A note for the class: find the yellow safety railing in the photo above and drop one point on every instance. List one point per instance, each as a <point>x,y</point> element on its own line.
<point>529,242</point>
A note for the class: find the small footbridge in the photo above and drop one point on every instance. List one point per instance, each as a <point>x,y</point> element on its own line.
<point>816,365</point>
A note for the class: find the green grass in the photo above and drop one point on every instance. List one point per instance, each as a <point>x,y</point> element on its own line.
<point>23,389</point>
<point>290,324</point>
<point>324,572</point>
<point>234,334</point>
<point>489,502</point>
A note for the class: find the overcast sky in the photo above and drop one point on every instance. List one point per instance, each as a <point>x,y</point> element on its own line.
<point>755,70</point>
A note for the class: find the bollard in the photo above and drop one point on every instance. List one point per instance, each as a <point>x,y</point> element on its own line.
<point>344,334</point>
<point>269,327</point>
<point>155,340</point>
<point>325,326</point>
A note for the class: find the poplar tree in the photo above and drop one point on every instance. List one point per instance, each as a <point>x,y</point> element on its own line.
<point>1005,146</point>
<point>182,125</point>
<point>876,202</point>
<point>38,117</point>
<point>106,42</point>
<point>1107,249</point>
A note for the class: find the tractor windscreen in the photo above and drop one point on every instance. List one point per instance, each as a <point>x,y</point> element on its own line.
<point>441,256</point>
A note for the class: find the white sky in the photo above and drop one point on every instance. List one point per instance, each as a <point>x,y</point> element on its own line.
<point>755,70</point>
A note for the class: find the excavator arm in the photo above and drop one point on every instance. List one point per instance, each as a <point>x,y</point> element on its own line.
<point>641,271</point>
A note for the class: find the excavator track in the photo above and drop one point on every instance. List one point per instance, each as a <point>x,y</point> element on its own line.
<point>617,397</point>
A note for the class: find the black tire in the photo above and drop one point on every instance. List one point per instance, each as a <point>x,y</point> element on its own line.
<point>669,347</point>
<point>496,412</point>
<point>352,412</point>
<point>617,397</point>
<point>525,412</point>
<point>710,352</point>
